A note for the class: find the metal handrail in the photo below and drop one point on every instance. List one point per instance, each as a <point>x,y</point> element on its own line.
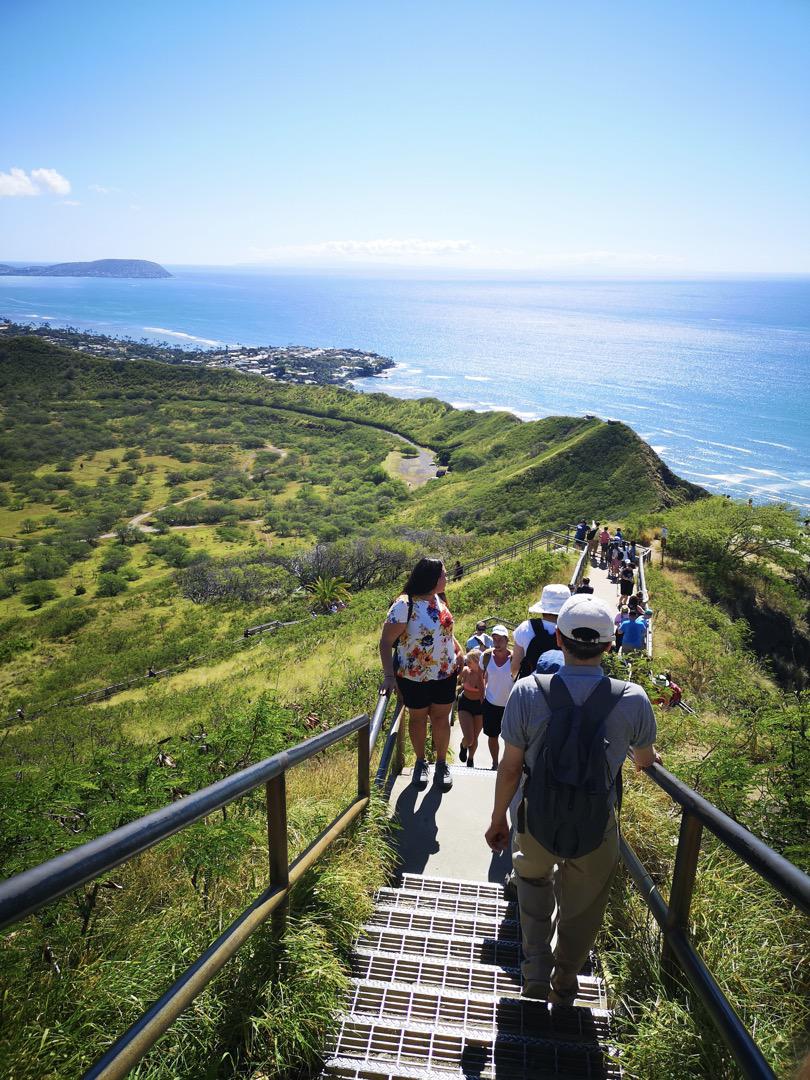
<point>645,557</point>
<point>678,952</point>
<point>509,552</point>
<point>579,569</point>
<point>778,871</point>
<point>27,892</point>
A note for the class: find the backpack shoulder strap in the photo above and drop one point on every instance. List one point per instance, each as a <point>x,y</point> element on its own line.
<point>485,659</point>
<point>555,691</point>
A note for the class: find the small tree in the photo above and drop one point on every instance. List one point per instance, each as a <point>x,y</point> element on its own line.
<point>328,591</point>
<point>38,594</point>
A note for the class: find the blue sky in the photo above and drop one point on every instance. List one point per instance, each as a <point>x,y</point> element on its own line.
<point>544,137</point>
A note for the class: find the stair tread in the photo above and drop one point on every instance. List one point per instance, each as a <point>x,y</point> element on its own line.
<point>477,979</point>
<point>483,1054</point>
<point>408,899</point>
<point>466,924</point>
<point>504,1013</point>
<point>347,1068</point>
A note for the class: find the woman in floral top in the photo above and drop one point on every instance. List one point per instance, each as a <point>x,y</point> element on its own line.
<point>424,663</point>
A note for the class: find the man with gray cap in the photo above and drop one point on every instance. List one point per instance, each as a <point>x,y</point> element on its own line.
<point>535,735</point>
<point>535,636</point>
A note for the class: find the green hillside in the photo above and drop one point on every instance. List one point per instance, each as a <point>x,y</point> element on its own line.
<point>256,490</point>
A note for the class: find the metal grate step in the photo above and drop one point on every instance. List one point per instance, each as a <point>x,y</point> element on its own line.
<point>467,926</point>
<point>414,971</point>
<point>506,1015</point>
<point>434,1049</point>
<point>441,947</point>
<point>485,890</point>
<point>453,905</point>
<point>417,970</point>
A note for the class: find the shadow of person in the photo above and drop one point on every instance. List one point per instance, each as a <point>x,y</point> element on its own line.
<point>415,811</point>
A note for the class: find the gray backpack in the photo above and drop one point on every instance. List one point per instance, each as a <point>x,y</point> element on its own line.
<point>567,792</point>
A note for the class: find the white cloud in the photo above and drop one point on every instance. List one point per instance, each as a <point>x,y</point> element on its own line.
<point>384,248</point>
<point>390,247</point>
<point>70,202</point>
<point>16,182</point>
<point>52,180</point>
<point>19,182</point>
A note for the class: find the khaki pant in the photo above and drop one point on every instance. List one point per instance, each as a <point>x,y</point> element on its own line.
<point>579,888</point>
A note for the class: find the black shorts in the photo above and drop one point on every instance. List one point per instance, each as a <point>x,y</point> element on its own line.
<point>493,715</point>
<point>469,705</point>
<point>421,695</point>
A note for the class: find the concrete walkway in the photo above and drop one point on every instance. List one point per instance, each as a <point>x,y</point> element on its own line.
<point>443,833</point>
<point>603,587</point>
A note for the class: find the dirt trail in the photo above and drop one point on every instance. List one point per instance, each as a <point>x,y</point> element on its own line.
<point>138,521</point>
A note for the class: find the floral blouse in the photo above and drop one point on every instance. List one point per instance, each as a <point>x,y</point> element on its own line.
<point>426,651</point>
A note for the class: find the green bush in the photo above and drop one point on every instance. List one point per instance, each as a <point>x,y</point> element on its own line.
<point>38,594</point>
<point>110,585</point>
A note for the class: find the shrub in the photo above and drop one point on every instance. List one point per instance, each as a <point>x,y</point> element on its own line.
<point>38,594</point>
<point>110,585</point>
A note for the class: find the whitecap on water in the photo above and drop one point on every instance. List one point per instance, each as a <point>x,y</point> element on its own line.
<point>180,334</point>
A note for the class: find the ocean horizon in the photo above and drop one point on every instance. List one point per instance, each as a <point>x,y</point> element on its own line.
<point>713,373</point>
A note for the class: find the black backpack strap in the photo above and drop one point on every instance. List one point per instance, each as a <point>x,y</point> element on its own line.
<point>617,688</point>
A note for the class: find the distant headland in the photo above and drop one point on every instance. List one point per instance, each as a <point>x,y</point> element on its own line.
<point>103,268</point>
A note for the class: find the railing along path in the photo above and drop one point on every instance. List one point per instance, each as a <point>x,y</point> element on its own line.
<point>28,892</point>
<point>31,890</point>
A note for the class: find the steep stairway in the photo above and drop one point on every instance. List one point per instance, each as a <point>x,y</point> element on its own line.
<point>436,992</point>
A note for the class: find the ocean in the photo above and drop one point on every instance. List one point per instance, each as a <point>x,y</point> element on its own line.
<point>715,375</point>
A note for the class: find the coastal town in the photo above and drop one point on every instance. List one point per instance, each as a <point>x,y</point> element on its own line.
<point>287,363</point>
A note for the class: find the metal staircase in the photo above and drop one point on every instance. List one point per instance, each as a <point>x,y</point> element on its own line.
<point>437,992</point>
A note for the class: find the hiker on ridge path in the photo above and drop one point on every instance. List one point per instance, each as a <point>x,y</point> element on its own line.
<point>566,844</point>
<point>421,657</point>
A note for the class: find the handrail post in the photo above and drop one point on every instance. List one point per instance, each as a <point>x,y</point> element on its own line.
<point>683,885</point>
<point>278,846</point>
<point>363,762</point>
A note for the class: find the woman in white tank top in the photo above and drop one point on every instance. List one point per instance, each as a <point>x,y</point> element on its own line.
<point>497,665</point>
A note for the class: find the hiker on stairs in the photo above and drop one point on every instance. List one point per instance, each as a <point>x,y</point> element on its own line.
<point>572,731</point>
<point>421,659</point>
<point>497,670</point>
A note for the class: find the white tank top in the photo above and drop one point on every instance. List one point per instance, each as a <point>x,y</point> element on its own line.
<point>499,681</point>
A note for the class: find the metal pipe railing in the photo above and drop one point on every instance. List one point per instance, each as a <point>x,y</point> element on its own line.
<point>645,557</point>
<point>553,538</point>
<point>778,871</point>
<point>678,954</point>
<point>734,1033</point>
<point>27,892</point>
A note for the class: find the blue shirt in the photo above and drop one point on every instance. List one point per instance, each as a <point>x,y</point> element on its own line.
<point>634,633</point>
<point>474,643</point>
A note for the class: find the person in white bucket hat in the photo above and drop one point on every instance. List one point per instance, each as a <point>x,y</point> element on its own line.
<point>536,635</point>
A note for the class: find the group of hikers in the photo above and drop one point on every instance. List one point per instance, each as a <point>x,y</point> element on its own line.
<point>566,730</point>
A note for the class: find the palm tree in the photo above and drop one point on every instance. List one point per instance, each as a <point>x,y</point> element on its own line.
<point>328,591</point>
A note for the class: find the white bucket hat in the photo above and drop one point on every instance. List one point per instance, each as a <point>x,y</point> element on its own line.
<point>552,599</point>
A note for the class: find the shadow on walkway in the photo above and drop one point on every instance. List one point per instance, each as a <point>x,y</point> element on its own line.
<point>418,839</point>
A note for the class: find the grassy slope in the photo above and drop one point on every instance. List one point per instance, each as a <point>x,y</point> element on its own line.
<point>742,751</point>
<point>174,900</point>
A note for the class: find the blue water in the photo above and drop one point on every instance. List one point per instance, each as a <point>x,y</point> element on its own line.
<point>715,375</point>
